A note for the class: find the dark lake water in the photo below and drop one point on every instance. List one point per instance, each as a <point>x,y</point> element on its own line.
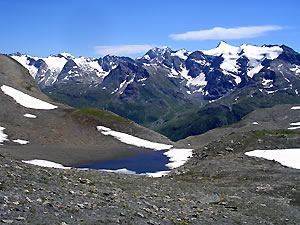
<point>143,163</point>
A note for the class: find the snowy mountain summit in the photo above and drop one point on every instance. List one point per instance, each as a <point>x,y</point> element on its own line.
<point>199,70</point>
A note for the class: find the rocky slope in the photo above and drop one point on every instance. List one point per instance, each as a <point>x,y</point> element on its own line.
<point>219,185</point>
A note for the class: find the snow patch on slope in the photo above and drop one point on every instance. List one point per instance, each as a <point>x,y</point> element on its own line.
<point>27,115</point>
<point>45,163</point>
<point>26,100</point>
<point>132,140</point>
<point>3,136</point>
<point>286,157</point>
<point>90,65</point>
<point>267,83</point>
<point>178,157</point>
<point>21,142</point>
<point>200,80</point>
<point>295,107</point>
<point>122,171</point>
<point>296,69</point>
<point>183,54</point>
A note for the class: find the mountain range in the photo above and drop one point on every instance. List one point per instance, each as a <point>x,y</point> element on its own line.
<point>173,91</point>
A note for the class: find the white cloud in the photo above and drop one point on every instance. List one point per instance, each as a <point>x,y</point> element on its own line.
<point>122,49</point>
<point>220,33</point>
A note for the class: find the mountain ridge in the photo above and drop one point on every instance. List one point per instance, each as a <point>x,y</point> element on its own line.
<point>164,84</point>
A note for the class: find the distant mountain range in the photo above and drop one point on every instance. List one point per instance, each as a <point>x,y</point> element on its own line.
<point>168,90</point>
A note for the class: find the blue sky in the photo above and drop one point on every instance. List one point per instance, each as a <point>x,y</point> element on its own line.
<point>94,28</point>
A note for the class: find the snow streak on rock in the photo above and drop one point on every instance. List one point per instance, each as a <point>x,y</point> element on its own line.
<point>26,100</point>
<point>28,115</point>
<point>286,157</point>
<point>131,140</point>
<point>3,136</point>
<point>21,142</point>
<point>45,163</point>
<point>178,157</point>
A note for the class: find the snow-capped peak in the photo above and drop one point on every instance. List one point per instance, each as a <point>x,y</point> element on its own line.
<point>182,53</point>
<point>222,48</point>
<point>160,50</point>
<point>66,55</point>
<point>17,54</point>
<point>254,54</point>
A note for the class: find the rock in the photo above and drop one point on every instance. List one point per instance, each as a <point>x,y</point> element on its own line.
<point>211,199</point>
<point>20,218</point>
<point>140,214</point>
<point>232,208</point>
<point>81,206</point>
<point>7,221</point>
<point>151,222</point>
<point>28,199</point>
<point>228,149</point>
<point>155,207</point>
<point>85,181</point>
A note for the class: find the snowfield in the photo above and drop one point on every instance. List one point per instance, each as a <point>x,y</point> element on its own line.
<point>295,125</point>
<point>26,100</point>
<point>255,55</point>
<point>27,115</point>
<point>286,157</point>
<point>130,172</point>
<point>21,142</point>
<point>178,157</point>
<point>131,140</point>
<point>123,171</point>
<point>295,107</point>
<point>45,163</point>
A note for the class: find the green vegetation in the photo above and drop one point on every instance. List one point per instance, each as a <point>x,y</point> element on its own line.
<point>103,115</point>
<point>261,134</point>
<point>29,87</point>
<point>194,123</point>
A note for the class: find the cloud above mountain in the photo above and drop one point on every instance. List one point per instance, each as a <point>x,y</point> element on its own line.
<point>221,33</point>
<point>122,49</point>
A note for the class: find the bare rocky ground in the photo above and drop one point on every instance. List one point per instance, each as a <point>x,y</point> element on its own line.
<point>219,185</point>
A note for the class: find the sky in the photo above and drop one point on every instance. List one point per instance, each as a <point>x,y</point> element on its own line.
<point>130,27</point>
